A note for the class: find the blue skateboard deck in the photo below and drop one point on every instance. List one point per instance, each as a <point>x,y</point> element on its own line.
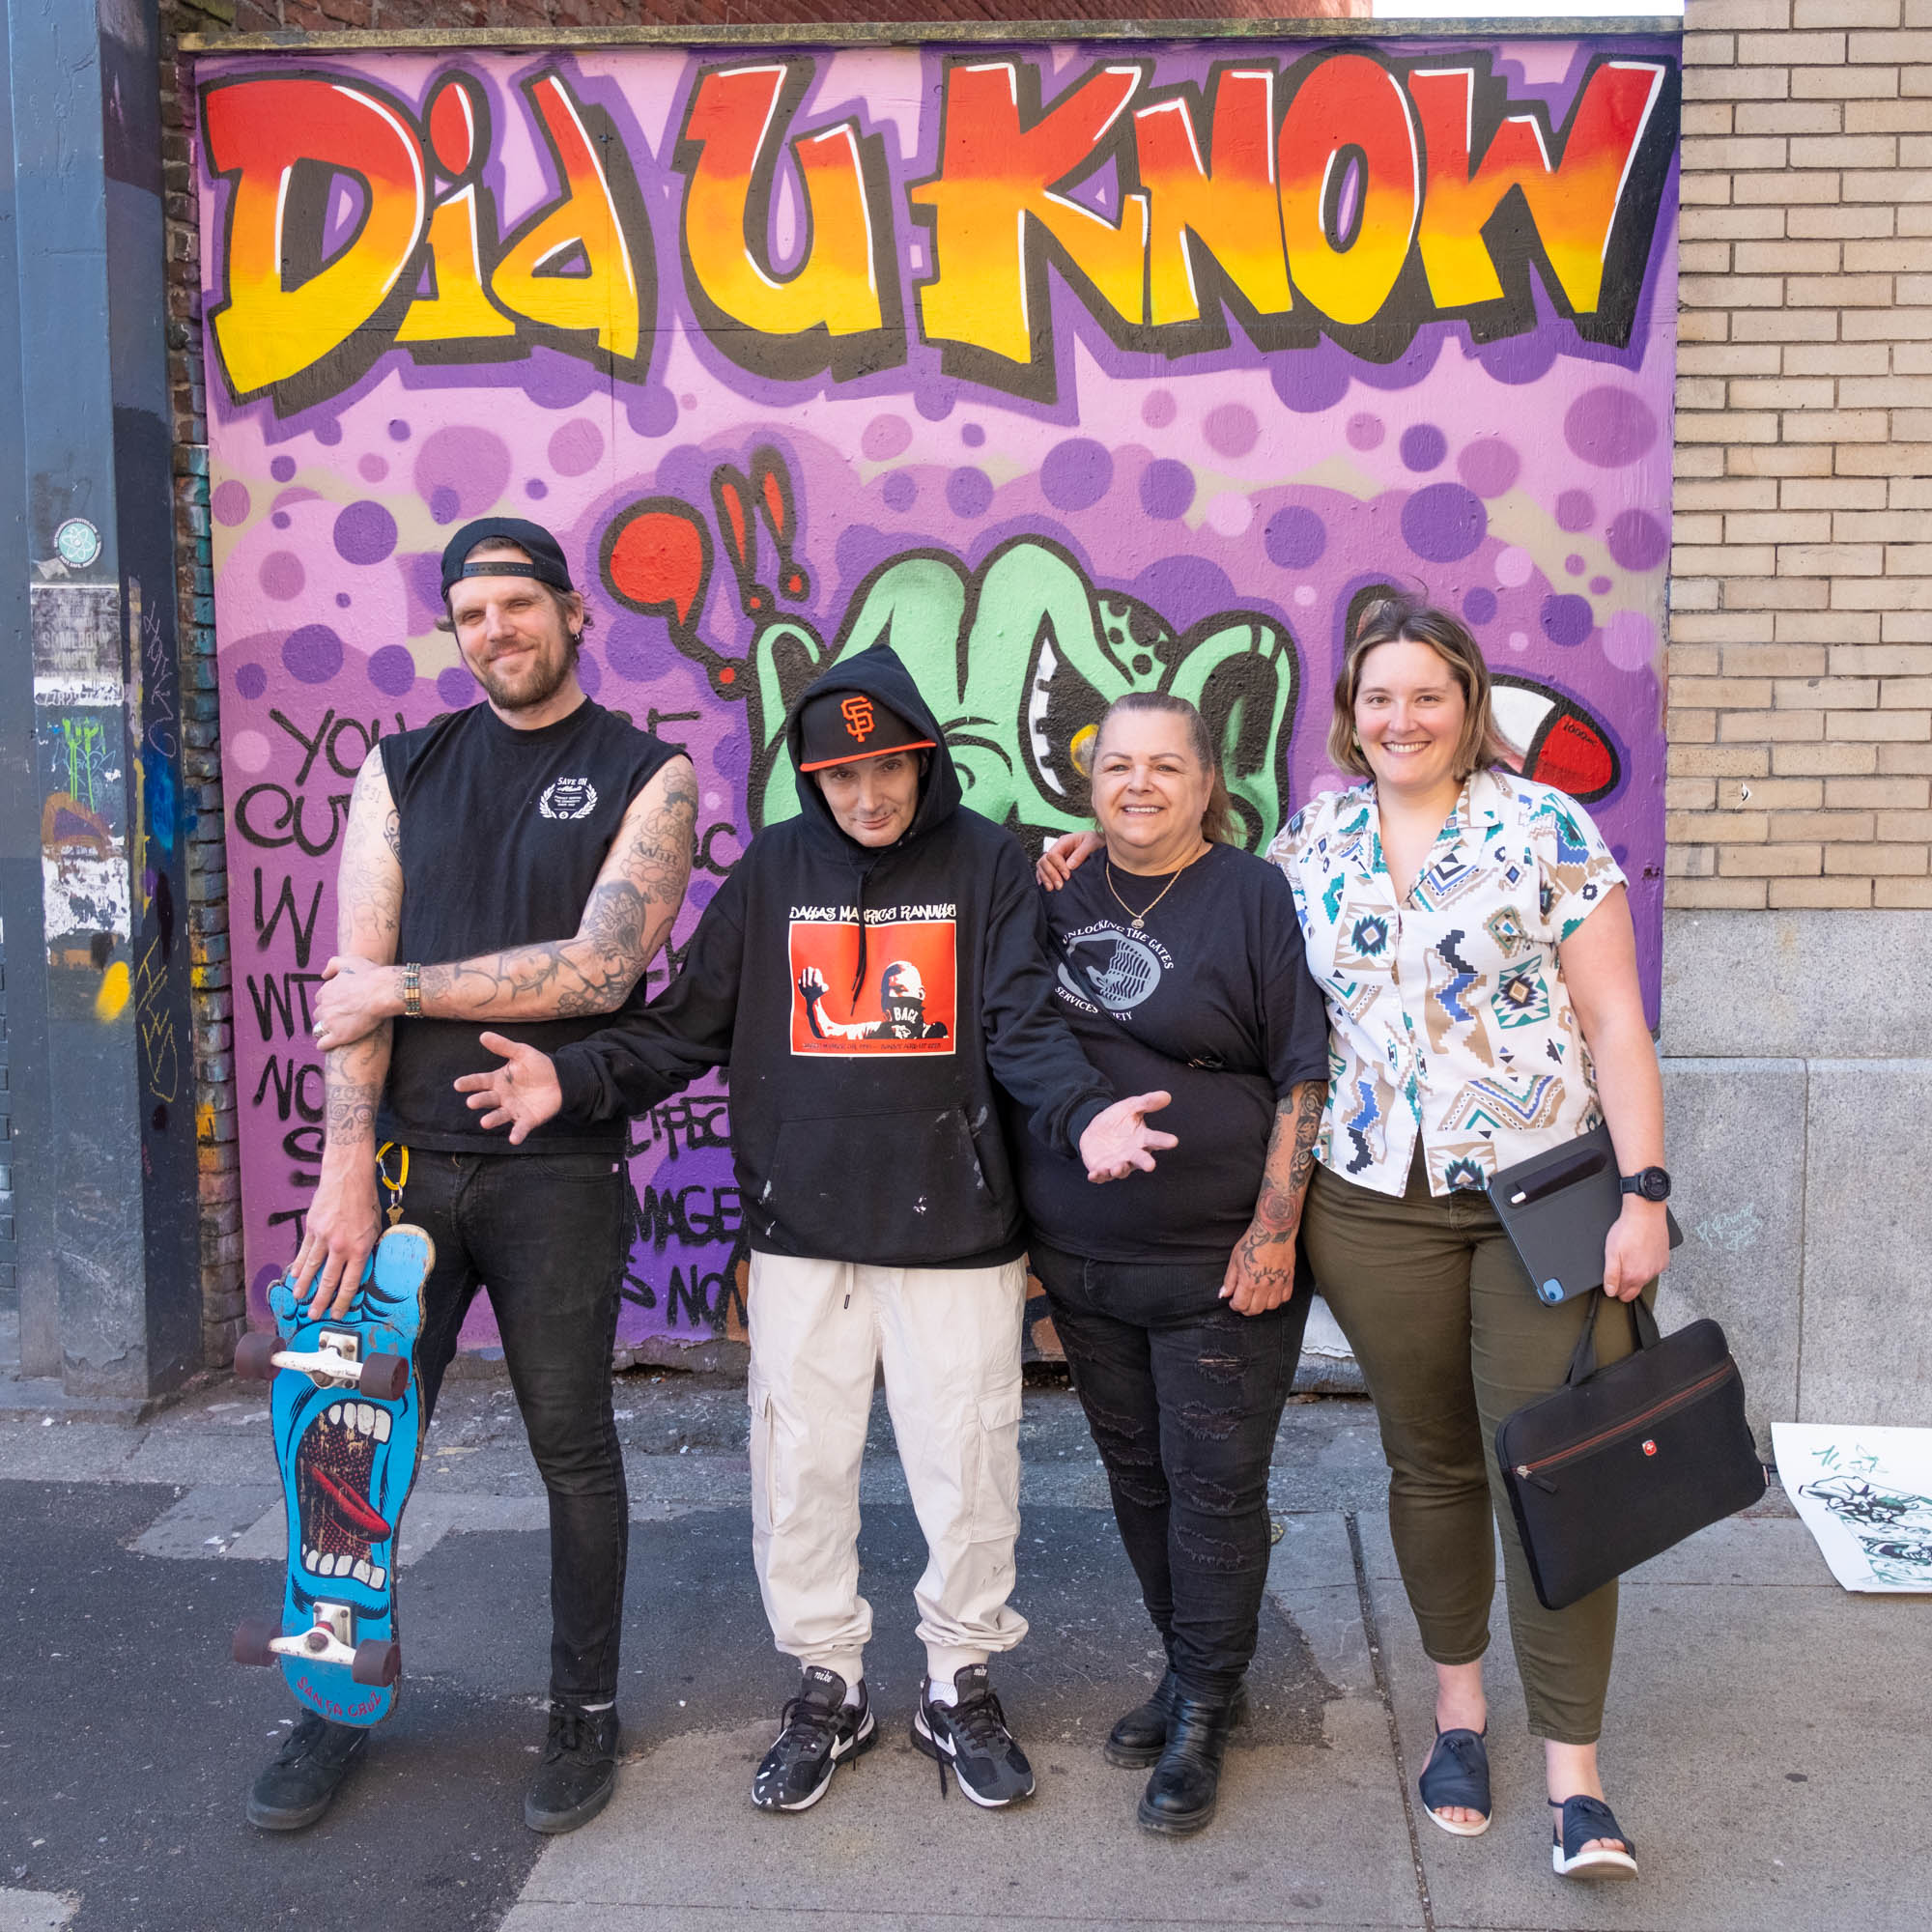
<point>347,1452</point>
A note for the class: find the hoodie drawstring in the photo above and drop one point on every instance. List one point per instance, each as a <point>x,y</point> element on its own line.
<point>858,977</point>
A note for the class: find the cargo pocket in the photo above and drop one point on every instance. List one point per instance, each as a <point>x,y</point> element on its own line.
<point>996,1505</point>
<point>767,1444</point>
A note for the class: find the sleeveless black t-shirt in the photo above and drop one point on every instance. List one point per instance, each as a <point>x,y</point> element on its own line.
<point>504,833</point>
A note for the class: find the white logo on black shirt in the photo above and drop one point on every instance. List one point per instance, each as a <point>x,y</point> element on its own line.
<point>568,798</point>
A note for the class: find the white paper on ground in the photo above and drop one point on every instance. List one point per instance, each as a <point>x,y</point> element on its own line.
<point>1866,1495</point>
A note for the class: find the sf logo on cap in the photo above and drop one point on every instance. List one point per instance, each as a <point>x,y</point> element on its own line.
<point>857,713</point>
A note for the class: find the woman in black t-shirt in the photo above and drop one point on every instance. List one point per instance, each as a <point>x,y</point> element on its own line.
<point>1180,968</point>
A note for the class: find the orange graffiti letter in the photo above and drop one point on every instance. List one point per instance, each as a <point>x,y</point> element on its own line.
<point>283,144</point>
<point>1223,213</point>
<point>730,149</point>
<point>997,194</point>
<point>1574,201</point>
<point>572,265</point>
<point>1348,227</point>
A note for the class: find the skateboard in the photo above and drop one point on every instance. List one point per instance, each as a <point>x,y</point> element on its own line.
<point>347,1424</point>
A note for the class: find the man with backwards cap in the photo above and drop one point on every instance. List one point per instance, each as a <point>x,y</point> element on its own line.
<point>525,857</point>
<point>869,971</point>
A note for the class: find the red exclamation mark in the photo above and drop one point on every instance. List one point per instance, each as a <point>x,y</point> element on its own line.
<point>775,498</point>
<point>731,490</point>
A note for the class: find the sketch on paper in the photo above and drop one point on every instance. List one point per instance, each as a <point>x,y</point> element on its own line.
<point>1866,1495</point>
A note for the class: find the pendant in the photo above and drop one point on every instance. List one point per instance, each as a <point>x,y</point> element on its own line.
<point>1137,922</point>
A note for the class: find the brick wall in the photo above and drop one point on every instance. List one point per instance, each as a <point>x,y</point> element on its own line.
<point>1800,652</point>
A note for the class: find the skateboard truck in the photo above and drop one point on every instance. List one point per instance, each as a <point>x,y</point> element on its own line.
<point>330,1640</point>
<point>332,1363</point>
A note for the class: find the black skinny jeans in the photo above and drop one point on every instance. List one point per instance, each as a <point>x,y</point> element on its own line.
<point>546,1233</point>
<point>1183,1397</point>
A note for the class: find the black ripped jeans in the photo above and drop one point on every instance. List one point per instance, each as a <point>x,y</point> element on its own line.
<point>547,1233</point>
<point>1183,1397</point>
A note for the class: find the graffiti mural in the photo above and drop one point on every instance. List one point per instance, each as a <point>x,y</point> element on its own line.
<point>1071,370</point>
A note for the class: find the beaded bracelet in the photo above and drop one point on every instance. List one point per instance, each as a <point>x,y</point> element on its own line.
<point>413,992</point>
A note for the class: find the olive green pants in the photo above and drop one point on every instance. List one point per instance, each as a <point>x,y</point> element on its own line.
<point>1451,1338</point>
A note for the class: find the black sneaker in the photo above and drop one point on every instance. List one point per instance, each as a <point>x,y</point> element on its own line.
<point>820,1732</point>
<point>579,1770</point>
<point>295,1788</point>
<point>971,1737</point>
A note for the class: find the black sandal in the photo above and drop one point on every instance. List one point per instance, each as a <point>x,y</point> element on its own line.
<point>1580,1820</point>
<point>1457,1774</point>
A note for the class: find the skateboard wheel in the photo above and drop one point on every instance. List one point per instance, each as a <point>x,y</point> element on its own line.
<point>385,1376</point>
<point>251,1640</point>
<point>377,1660</point>
<point>254,1357</point>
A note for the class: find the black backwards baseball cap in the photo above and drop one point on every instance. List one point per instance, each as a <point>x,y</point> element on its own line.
<point>843,727</point>
<point>546,555</point>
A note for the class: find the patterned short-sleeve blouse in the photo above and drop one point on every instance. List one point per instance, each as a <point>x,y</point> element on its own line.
<point>1447,1011</point>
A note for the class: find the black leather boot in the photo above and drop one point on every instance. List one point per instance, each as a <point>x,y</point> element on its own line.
<point>1139,1737</point>
<point>1181,1794</point>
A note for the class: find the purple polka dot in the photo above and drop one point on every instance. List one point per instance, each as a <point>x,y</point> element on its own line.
<point>1573,565</point>
<point>422,580</point>
<point>329,434</point>
<point>969,493</point>
<point>373,468</point>
<point>473,465</point>
<point>1575,510</point>
<point>885,438</point>
<point>312,655</point>
<point>250,680</point>
<point>282,468</point>
<point>1608,427</point>
<point>364,533</point>
<point>1479,606</point>
<point>1365,432</point>
<point>1159,409</point>
<point>455,686</point>
<point>900,492</point>
<point>1076,473</point>
<point>1638,540</point>
<point>342,599</point>
<point>589,673</point>
<point>1231,430</point>
<point>1308,381</point>
<point>1184,590</point>
<point>652,412</point>
<point>1520,358</point>
<point>576,448</point>
<point>632,651</point>
<point>555,381</point>
<point>228,502</point>
<point>1293,538</point>
<point>1167,489</point>
<point>1566,619</point>
<point>973,435</point>
<point>1488,465</point>
<point>1423,446</point>
<point>392,671</point>
<point>280,520</point>
<point>536,489</point>
<point>399,430</point>
<point>1443,522</point>
<point>1599,587</point>
<point>934,405</point>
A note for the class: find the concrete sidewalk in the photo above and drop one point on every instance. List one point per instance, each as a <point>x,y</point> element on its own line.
<point>1769,1745</point>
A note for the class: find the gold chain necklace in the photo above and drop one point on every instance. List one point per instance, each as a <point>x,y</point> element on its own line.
<point>1139,917</point>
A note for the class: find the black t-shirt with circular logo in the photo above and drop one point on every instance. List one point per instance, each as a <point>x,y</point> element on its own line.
<point>504,833</point>
<point>1211,1000</point>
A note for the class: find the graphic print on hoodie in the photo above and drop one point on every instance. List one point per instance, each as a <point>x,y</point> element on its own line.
<point>867,999</point>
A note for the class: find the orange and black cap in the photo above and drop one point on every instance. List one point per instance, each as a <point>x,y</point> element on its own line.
<point>843,727</point>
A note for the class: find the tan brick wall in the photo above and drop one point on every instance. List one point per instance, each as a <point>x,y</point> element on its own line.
<point>1800,625</point>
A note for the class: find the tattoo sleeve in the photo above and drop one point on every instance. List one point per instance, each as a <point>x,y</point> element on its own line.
<point>627,918</point>
<point>1268,1243</point>
<point>368,907</point>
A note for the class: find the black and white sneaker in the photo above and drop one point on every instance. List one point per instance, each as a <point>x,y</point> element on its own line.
<point>821,1730</point>
<point>971,1737</point>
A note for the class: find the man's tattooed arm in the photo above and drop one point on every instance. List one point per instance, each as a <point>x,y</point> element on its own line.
<point>1265,1255</point>
<point>368,910</point>
<point>627,918</point>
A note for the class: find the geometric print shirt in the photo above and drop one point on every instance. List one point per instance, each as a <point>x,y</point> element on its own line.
<point>1447,1013</point>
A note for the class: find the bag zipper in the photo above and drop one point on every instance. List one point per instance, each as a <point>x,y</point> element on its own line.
<point>1527,1471</point>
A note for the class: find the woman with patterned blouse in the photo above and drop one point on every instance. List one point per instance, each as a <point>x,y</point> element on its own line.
<point>1471,935</point>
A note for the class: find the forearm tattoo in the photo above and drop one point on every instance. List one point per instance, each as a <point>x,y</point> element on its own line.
<point>627,918</point>
<point>1268,1248</point>
<point>353,1078</point>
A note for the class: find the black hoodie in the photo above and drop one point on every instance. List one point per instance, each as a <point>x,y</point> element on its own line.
<point>865,1125</point>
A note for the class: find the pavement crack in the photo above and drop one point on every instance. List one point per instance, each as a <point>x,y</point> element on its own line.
<point>1372,1631</point>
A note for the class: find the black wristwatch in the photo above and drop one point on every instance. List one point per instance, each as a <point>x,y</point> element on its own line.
<point>1652,1183</point>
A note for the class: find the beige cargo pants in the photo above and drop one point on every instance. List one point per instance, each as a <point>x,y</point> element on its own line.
<point>950,1340</point>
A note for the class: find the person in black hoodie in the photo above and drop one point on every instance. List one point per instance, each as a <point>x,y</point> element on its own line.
<point>869,971</point>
